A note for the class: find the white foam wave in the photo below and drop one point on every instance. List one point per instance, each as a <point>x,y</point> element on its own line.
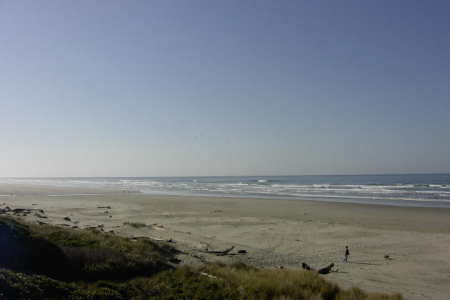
<point>263,187</point>
<point>73,195</point>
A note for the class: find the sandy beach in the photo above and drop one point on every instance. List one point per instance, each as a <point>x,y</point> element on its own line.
<point>273,233</point>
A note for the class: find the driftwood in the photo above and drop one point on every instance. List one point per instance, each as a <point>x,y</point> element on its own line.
<point>323,271</point>
<point>20,211</point>
<point>305,266</point>
<point>40,216</point>
<point>151,238</point>
<point>326,270</point>
<point>200,258</point>
<point>5,210</point>
<point>220,253</point>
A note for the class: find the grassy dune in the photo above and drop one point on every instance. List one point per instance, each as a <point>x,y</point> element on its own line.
<point>48,262</point>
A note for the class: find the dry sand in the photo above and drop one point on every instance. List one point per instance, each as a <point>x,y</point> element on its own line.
<point>274,232</point>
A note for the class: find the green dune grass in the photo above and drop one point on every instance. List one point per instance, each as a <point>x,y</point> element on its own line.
<point>88,264</point>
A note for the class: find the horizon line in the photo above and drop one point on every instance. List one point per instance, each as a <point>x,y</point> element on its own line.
<point>189,176</point>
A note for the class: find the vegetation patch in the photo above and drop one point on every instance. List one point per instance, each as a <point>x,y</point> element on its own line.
<point>24,252</point>
<point>79,254</point>
<point>188,283</point>
<point>88,264</point>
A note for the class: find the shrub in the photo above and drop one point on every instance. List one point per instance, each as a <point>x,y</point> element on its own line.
<point>24,252</point>
<point>94,255</point>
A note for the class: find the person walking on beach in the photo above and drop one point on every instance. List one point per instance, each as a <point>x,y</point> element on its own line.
<point>347,254</point>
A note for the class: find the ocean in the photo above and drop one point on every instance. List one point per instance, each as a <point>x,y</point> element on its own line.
<point>420,190</point>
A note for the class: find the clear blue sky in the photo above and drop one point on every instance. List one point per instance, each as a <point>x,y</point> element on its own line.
<point>160,88</point>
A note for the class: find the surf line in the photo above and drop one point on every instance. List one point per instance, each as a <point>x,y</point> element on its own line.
<point>72,195</point>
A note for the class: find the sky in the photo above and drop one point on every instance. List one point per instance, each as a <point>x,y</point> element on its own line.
<point>200,88</point>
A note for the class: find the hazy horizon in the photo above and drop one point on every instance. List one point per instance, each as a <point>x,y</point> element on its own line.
<point>231,88</point>
<point>209,176</point>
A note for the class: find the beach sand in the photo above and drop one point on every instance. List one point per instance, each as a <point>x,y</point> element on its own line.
<point>273,232</point>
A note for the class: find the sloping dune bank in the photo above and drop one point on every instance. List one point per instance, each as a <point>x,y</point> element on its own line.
<point>392,249</point>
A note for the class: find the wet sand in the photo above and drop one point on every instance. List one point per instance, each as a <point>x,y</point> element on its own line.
<point>273,232</point>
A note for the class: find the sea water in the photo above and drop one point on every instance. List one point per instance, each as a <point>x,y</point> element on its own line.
<point>423,190</point>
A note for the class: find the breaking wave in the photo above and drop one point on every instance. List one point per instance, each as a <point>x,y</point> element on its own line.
<point>432,191</point>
